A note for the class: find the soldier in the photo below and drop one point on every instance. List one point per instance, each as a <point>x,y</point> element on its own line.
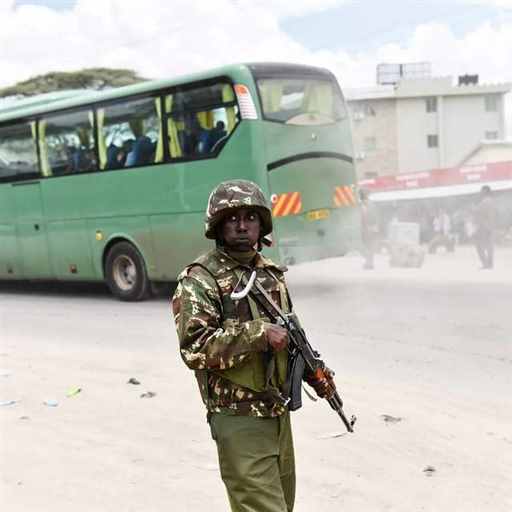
<point>239,357</point>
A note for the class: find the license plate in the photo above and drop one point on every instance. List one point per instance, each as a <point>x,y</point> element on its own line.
<point>317,214</point>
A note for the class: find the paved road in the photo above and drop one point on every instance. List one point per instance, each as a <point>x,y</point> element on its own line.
<point>430,347</point>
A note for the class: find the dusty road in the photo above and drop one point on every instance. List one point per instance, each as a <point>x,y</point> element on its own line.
<point>430,347</point>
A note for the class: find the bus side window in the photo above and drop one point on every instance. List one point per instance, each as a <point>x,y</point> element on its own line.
<point>130,134</point>
<point>18,152</point>
<point>67,143</point>
<point>200,120</point>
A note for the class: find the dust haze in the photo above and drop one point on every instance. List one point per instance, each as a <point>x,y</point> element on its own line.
<point>422,356</point>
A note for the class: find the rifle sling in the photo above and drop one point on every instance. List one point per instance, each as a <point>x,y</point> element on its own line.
<point>268,298</point>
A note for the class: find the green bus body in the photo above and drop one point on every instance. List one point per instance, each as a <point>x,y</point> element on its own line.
<point>63,226</point>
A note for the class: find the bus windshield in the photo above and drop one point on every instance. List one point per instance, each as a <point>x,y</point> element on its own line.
<point>301,101</point>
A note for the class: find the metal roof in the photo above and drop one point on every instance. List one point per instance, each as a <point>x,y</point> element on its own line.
<point>439,86</point>
<point>435,192</point>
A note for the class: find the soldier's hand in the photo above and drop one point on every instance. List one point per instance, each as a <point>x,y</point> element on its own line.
<point>277,336</point>
<point>322,382</point>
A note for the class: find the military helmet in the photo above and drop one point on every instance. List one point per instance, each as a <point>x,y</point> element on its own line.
<point>232,194</point>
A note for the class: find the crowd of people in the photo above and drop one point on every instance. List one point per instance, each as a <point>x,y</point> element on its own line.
<point>443,224</point>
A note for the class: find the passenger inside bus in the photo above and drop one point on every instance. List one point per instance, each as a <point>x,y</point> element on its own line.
<point>81,157</point>
<point>210,138</point>
<point>116,156</point>
<point>142,150</point>
<point>219,135</point>
<point>190,136</point>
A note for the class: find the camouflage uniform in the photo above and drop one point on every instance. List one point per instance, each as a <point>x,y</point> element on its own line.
<point>213,340</point>
<point>239,377</point>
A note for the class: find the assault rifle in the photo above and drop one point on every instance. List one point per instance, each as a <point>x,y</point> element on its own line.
<point>302,356</point>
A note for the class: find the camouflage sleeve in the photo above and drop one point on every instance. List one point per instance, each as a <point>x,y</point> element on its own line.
<point>206,342</point>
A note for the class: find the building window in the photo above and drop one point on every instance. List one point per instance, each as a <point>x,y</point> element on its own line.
<point>362,109</point>
<point>491,135</point>
<point>370,144</point>
<point>491,102</point>
<point>431,104</point>
<point>371,174</point>
<point>432,141</point>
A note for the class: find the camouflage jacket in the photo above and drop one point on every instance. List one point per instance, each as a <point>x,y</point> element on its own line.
<point>213,341</point>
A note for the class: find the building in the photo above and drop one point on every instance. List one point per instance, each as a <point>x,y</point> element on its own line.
<point>423,123</point>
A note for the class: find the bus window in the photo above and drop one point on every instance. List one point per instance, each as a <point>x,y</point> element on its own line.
<point>200,120</point>
<point>67,143</point>
<point>18,152</point>
<point>301,101</point>
<point>130,134</point>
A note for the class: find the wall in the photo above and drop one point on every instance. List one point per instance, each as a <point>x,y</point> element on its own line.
<point>414,125</point>
<point>465,124</point>
<point>384,158</point>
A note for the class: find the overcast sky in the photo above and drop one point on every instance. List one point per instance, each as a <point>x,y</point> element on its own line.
<point>161,38</point>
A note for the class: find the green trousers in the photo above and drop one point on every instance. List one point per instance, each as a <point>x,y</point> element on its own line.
<point>256,461</point>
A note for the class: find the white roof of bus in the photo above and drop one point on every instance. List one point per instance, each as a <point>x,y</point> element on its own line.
<point>13,103</point>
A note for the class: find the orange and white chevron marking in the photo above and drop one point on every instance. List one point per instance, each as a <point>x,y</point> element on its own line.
<point>344,196</point>
<point>289,203</point>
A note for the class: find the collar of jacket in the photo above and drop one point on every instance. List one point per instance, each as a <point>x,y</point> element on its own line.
<point>260,261</point>
<point>246,258</point>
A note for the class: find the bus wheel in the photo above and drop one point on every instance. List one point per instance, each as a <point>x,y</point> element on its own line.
<point>125,272</point>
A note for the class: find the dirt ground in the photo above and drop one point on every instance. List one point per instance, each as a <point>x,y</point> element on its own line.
<point>422,356</point>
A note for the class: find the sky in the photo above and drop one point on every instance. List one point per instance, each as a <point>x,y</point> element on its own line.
<point>162,38</point>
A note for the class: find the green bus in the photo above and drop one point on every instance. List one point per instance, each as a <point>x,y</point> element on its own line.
<point>112,186</point>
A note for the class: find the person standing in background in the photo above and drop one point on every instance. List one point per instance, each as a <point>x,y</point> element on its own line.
<point>370,229</point>
<point>442,227</point>
<point>484,216</point>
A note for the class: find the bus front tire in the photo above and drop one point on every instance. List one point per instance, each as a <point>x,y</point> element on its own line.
<point>125,273</point>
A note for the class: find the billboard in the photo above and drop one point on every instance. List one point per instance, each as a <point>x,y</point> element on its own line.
<point>391,74</point>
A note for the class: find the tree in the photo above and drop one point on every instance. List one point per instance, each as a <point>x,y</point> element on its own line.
<point>92,78</point>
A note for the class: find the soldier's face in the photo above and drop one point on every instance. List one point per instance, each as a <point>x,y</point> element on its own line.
<point>240,229</point>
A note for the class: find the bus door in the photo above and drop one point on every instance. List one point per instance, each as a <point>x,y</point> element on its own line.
<point>31,229</point>
<point>9,267</point>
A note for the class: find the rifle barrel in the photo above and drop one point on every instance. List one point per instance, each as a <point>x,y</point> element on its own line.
<point>337,404</point>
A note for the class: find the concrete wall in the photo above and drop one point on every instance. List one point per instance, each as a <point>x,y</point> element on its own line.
<point>465,124</point>
<point>383,126</point>
<point>414,126</point>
